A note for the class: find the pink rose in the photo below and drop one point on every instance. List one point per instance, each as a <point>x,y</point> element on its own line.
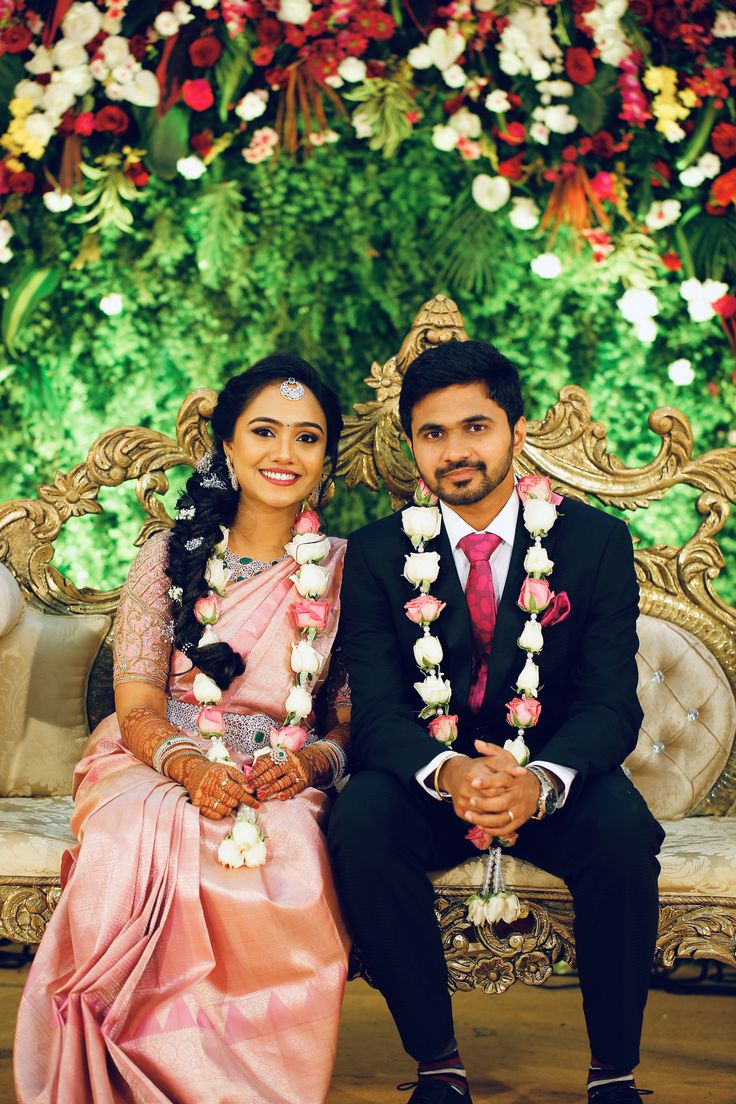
<point>211,721</point>
<point>444,728</point>
<point>423,496</point>
<point>535,595</point>
<point>537,486</point>
<point>290,736</point>
<point>424,609</point>
<point>523,712</point>
<point>479,837</point>
<point>306,522</point>
<point>207,610</point>
<point>310,614</point>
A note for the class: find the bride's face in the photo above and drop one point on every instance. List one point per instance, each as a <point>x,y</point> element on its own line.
<point>278,447</point>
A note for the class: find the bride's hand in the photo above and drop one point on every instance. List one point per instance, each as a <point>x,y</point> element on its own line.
<point>282,780</point>
<point>216,789</point>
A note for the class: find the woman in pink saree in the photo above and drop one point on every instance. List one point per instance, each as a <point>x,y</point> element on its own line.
<point>165,976</point>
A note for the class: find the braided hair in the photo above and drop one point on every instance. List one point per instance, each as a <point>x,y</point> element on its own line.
<point>210,502</point>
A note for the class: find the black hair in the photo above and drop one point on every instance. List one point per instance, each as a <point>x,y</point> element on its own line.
<point>461,362</point>
<point>209,502</point>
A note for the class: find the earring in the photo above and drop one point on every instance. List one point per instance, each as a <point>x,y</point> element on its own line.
<point>231,472</point>
<point>314,497</point>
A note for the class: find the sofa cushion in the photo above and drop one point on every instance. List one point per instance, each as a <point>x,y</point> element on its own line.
<point>689,719</point>
<point>34,834</point>
<point>698,857</point>
<point>44,666</point>
<point>11,601</point>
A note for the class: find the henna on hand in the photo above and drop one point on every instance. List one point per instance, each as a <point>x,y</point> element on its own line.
<point>215,788</point>
<point>308,767</point>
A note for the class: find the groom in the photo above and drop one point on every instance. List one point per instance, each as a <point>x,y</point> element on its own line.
<point>411,800</point>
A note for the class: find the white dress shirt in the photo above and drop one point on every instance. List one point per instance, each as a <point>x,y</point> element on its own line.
<point>504,526</point>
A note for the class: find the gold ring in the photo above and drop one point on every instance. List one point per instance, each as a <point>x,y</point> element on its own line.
<point>511,815</point>
<point>215,806</point>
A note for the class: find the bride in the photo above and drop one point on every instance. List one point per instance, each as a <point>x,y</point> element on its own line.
<point>198,953</point>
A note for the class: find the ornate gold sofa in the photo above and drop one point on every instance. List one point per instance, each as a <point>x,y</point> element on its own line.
<point>685,761</point>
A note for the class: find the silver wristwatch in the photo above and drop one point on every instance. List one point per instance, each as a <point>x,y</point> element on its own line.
<point>548,796</point>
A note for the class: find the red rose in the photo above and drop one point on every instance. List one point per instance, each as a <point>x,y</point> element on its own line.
<point>512,168</point>
<point>84,124</point>
<point>262,55</point>
<point>723,140</point>
<point>672,261</point>
<point>579,65</point>
<point>375,68</point>
<point>725,306</point>
<point>16,39</point>
<point>569,153</point>
<point>201,143</point>
<point>723,189</point>
<point>66,126</point>
<point>21,182</point>
<point>667,22</point>
<point>112,119</point>
<point>269,32</point>
<point>514,134</point>
<point>137,174</point>
<point>205,51</point>
<point>603,144</point>
<point>197,94</point>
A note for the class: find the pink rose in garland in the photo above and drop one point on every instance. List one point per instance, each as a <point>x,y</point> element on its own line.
<point>523,712</point>
<point>207,610</point>
<point>424,609</point>
<point>211,721</point>
<point>539,487</point>
<point>307,522</point>
<point>535,595</point>
<point>310,614</point>
<point>290,736</point>
<point>444,728</point>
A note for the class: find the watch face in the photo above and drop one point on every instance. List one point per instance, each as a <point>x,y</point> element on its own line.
<point>550,802</point>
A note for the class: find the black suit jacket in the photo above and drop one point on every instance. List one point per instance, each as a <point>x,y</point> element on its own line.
<point>590,714</point>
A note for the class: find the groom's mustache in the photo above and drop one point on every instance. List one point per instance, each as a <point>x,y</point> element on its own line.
<point>441,472</point>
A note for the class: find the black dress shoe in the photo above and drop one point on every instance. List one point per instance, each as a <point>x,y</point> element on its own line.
<point>618,1092</point>
<point>434,1092</point>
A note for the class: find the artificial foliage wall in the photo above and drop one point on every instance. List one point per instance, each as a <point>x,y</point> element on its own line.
<point>187,186</point>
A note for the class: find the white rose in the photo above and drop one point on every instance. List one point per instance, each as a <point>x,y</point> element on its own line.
<point>422,568</point>
<point>537,562</point>
<point>498,100</point>
<point>28,90</point>
<point>710,165</point>
<point>98,69</point>
<point>539,516</point>
<point>125,71</point>
<point>700,310</point>
<point>540,133</point>
<point>299,702</point>
<point>646,330</point>
<point>294,11</point>
<point>446,46</point>
<point>311,581</point>
<point>420,57</point>
<point>352,69</point>
<point>245,833</point>
<point>115,50</point>
<point>528,677</point>
<point>692,177</point>
<point>421,523</point>
<point>183,12</point>
<point>454,77</point>
<point>547,265</point>
<point>57,201</point>
<point>206,4</point>
<point>255,855</point>
<point>444,138</point>
<point>559,119</point>
<point>663,213</point>
<point>714,290</point>
<point>66,54</point>
<point>6,254</point>
<point>428,652</point>
<point>252,105</point>
<point>217,574</point>
<point>57,98</point>
<point>531,639</point>
<point>40,128</point>
<point>110,24</point>
<point>143,90</point>
<point>434,690</point>
<point>40,62</point>
<point>206,691</point>
<point>305,659</point>
<point>491,192</point>
<point>524,214</point>
<point>166,24</point>
<point>229,853</point>
<point>518,749</point>
<point>308,548</point>
<point>476,911</point>
<point>82,23</point>
<point>191,168</point>
<point>78,79</point>
<point>466,122</point>
<point>217,752</point>
<point>637,303</point>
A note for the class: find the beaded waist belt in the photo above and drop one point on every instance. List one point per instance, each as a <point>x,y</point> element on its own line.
<point>245,732</point>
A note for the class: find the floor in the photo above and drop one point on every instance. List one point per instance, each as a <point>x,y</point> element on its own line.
<point>524,1047</point>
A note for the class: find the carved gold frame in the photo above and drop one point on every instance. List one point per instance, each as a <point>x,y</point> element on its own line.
<point>567,445</point>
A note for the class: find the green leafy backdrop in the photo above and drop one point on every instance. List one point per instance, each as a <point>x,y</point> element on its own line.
<point>330,259</point>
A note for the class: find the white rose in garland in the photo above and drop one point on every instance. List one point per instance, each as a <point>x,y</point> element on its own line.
<point>311,581</point>
<point>428,652</point>
<point>421,569</point>
<point>206,690</point>
<point>421,523</point>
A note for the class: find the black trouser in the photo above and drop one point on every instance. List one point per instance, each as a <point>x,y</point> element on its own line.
<point>384,836</point>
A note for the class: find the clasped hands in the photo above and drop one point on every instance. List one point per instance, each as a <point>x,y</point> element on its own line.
<point>217,789</point>
<point>492,792</point>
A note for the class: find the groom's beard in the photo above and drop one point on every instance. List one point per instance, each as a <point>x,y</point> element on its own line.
<point>473,489</point>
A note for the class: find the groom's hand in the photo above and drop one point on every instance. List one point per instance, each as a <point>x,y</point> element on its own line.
<point>485,791</point>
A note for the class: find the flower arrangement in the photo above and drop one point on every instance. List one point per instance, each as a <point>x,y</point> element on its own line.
<point>601,116</point>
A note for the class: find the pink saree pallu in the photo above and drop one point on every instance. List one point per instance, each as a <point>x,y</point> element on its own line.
<point>163,976</point>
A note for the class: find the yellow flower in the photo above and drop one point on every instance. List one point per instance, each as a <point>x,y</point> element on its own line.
<point>14,165</point>
<point>20,108</point>
<point>688,97</point>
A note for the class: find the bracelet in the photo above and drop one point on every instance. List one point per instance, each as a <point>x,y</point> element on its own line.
<point>337,759</point>
<point>443,795</point>
<point>167,744</point>
<point>180,753</point>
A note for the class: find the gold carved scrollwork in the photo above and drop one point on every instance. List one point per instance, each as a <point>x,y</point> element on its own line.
<point>25,910</point>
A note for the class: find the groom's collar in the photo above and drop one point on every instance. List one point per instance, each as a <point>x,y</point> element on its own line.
<point>503,524</point>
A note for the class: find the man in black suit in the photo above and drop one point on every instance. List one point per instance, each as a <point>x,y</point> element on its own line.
<point>410,801</point>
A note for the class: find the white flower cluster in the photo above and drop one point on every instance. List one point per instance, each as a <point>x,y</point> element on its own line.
<point>294,11</point>
<point>499,906</point>
<point>6,233</point>
<point>700,297</point>
<point>421,524</point>
<point>252,105</point>
<point>725,24</point>
<point>639,307</point>
<point>245,844</point>
<point>528,46</point>
<point>463,124</point>
<point>663,213</point>
<point>442,49</point>
<point>167,23</point>
<point>705,168</point>
<point>608,34</point>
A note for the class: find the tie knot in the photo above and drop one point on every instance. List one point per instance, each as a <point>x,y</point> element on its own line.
<point>479,546</point>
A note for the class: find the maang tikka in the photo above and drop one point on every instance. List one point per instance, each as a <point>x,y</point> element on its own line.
<point>292,389</point>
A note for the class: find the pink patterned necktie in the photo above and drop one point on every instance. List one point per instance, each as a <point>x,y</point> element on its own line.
<point>481,599</point>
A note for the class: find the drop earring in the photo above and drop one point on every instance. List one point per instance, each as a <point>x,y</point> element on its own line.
<point>314,497</point>
<point>232,474</point>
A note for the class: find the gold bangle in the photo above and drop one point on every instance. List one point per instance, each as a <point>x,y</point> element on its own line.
<point>436,777</point>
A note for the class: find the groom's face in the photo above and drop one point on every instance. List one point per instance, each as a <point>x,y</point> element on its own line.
<point>462,443</point>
